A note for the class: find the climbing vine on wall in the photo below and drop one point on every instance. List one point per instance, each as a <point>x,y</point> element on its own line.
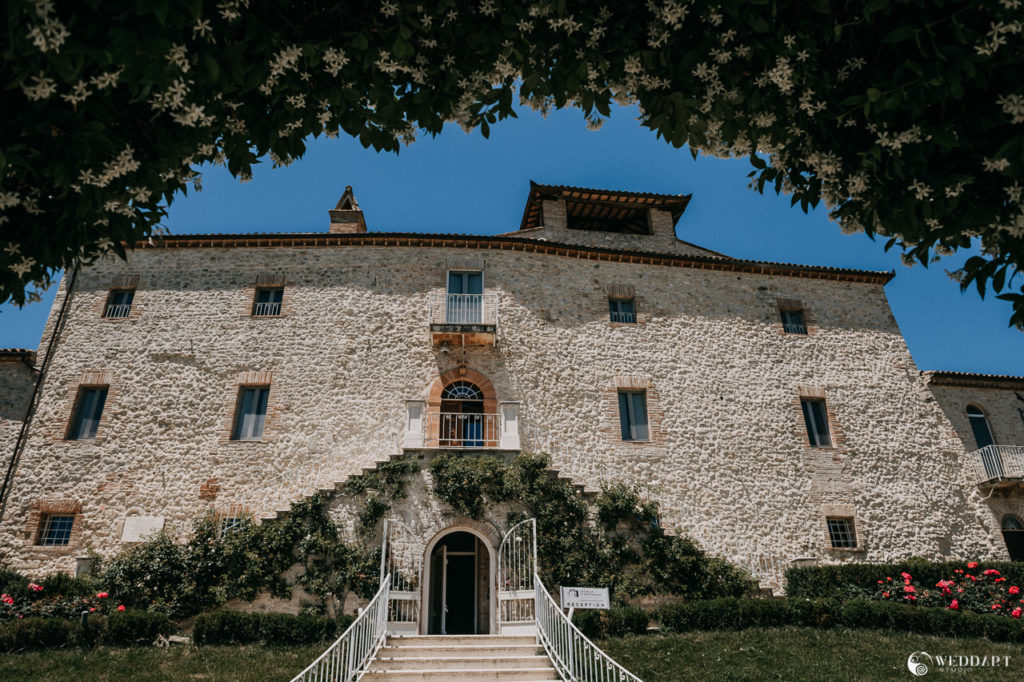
<point>905,117</point>
<point>625,549</point>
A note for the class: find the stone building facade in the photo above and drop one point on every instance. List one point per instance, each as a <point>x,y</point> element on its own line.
<point>773,410</point>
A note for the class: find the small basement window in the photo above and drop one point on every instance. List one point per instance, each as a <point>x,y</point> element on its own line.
<point>841,532</point>
<point>267,302</point>
<point>622,310</point>
<point>55,530</point>
<point>793,322</point>
<point>230,524</point>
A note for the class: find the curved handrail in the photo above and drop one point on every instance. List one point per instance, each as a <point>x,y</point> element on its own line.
<point>344,660</point>
<point>575,657</point>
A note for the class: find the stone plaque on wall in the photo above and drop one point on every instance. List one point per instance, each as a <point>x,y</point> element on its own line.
<point>136,528</point>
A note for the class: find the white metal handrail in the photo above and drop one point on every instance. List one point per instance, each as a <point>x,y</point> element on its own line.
<point>790,328</point>
<point>448,308</point>
<point>997,462</point>
<point>347,658</point>
<point>575,657</point>
<point>463,429</point>
<point>118,309</point>
<point>623,317</point>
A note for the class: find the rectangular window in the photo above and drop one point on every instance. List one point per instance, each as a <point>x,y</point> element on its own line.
<point>88,412</point>
<point>841,532</point>
<point>252,411</point>
<point>633,415</point>
<point>465,298</point>
<point>622,310</point>
<point>267,302</point>
<point>816,419</point>
<point>793,322</point>
<point>55,530</point>
<point>119,303</point>
<point>229,524</point>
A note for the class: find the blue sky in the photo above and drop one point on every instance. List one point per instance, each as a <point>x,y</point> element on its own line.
<point>466,184</point>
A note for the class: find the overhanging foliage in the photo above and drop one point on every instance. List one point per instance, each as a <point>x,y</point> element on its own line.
<point>906,118</point>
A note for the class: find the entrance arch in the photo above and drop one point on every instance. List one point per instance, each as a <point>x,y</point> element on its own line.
<point>458,583</point>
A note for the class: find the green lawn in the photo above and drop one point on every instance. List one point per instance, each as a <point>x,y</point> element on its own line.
<point>791,654</point>
<point>795,654</point>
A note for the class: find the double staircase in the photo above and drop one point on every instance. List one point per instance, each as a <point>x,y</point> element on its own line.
<point>436,658</point>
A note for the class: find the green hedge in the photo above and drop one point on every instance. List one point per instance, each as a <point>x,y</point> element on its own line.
<point>735,614</point>
<point>834,582</point>
<point>616,622</point>
<point>118,629</point>
<point>238,627</point>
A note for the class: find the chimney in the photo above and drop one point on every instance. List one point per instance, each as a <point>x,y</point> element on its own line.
<point>346,218</point>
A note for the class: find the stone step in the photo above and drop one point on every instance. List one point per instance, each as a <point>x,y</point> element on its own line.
<point>454,663</point>
<point>446,641</point>
<point>464,651</point>
<point>441,675</point>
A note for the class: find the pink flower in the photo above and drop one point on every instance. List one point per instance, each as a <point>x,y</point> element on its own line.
<point>102,595</point>
<point>120,607</point>
<point>954,605</point>
<point>885,594</point>
<point>879,582</point>
<point>973,564</point>
<point>1016,612</point>
<point>1013,589</point>
<point>991,571</point>
<point>909,588</point>
<point>996,606</point>
<point>92,608</point>
<point>905,576</point>
<point>35,588</point>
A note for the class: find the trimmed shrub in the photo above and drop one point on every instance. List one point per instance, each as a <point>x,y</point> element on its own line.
<point>615,622</point>
<point>835,582</point>
<point>237,627</point>
<point>38,633</point>
<point>125,628</point>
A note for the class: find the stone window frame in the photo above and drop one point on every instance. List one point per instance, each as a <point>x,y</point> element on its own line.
<point>269,280</point>
<point>610,426</point>
<point>842,511</point>
<point>41,509</point>
<point>232,403</point>
<point>836,433</point>
<point>794,304</point>
<point>120,283</point>
<point>61,428</point>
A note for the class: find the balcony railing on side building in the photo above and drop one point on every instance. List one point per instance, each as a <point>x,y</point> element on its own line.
<point>118,309</point>
<point>995,463</point>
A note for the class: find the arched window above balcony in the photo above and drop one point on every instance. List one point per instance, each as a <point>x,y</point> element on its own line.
<point>979,424</point>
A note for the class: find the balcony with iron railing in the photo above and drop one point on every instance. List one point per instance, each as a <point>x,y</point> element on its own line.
<point>463,319</point>
<point>997,466</point>
<point>266,309</point>
<point>435,430</point>
<point>118,310</point>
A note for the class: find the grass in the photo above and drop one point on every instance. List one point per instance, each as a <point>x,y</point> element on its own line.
<point>792,654</point>
<point>149,664</point>
<point>796,654</point>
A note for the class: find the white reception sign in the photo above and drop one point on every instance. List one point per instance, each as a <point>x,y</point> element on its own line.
<point>585,598</point>
<point>136,528</point>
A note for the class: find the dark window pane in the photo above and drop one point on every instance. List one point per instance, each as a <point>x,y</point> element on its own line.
<point>621,310</point>
<point>816,420</point>
<point>793,322</point>
<point>56,530</point>
<point>841,533</point>
<point>624,416</point>
<point>979,425</point>
<point>639,415</point>
<point>88,412</point>
<point>119,303</point>
<point>252,410</point>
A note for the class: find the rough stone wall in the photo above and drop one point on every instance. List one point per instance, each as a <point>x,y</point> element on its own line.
<point>16,383</point>
<point>728,458</point>
<point>661,240</point>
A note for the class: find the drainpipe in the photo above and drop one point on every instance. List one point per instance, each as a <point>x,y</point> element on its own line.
<point>19,444</point>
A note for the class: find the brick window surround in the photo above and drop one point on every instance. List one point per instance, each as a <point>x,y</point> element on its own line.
<point>60,429</point>
<point>794,304</point>
<point>624,292</point>
<point>269,281</point>
<point>836,435</point>
<point>41,509</point>
<point>121,283</point>
<point>232,404</point>
<point>611,428</point>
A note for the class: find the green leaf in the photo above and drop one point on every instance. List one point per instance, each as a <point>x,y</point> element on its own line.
<point>874,94</point>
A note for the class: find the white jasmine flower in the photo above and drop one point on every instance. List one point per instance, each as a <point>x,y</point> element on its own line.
<point>40,88</point>
<point>995,165</point>
<point>50,35</point>
<point>106,80</point>
<point>22,268</point>
<point>389,9</point>
<point>79,91</point>
<point>178,56</point>
<point>334,60</point>
<point>1013,106</point>
<point>921,191</point>
<point>202,29</point>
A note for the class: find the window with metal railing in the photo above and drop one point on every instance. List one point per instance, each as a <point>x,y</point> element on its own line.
<point>622,310</point>
<point>267,302</point>
<point>55,530</point>
<point>793,322</point>
<point>841,532</point>
<point>119,303</point>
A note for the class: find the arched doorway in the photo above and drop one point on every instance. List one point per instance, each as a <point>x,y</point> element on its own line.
<point>459,575</point>
<point>1013,536</point>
